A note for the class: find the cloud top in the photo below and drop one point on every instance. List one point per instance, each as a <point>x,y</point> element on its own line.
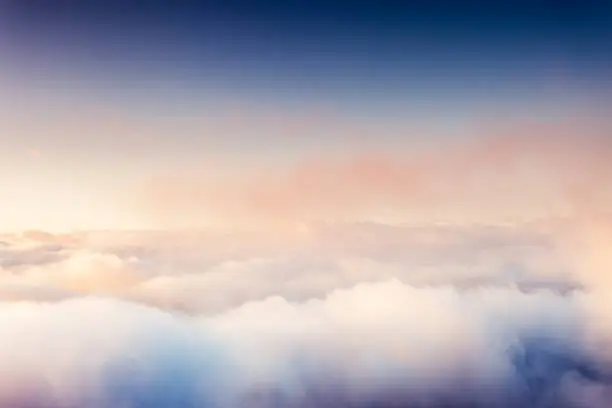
<point>354,315</point>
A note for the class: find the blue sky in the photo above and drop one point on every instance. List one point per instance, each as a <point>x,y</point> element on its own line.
<point>115,92</point>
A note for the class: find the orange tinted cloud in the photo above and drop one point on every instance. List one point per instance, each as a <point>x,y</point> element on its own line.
<point>521,170</point>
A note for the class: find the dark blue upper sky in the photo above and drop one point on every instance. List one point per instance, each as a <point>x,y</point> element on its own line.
<point>380,46</point>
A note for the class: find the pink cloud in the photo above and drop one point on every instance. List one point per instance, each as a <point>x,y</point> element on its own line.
<point>516,168</point>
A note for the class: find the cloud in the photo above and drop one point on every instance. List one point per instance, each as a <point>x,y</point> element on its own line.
<point>214,271</point>
<point>512,170</point>
<point>375,344</point>
<point>97,353</point>
<point>44,237</point>
<point>20,292</point>
<point>333,314</point>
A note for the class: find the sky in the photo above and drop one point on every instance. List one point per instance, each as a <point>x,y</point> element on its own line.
<point>280,204</point>
<point>102,99</point>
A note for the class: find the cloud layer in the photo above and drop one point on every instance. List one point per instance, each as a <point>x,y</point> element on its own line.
<point>334,314</point>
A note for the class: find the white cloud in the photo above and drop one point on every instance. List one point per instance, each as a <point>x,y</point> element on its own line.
<point>343,314</point>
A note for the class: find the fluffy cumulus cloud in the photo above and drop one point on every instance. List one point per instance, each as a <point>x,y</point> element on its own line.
<point>331,314</point>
